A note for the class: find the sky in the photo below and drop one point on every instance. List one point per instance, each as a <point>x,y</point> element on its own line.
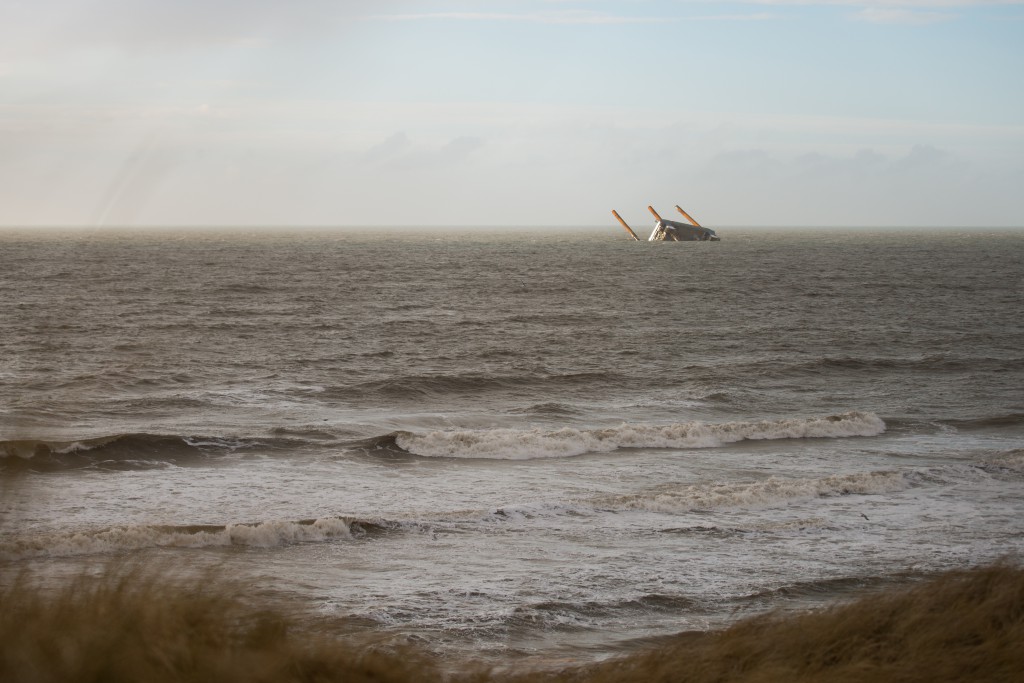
<point>511,112</point>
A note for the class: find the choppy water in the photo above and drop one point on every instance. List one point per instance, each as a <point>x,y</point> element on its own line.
<point>553,442</point>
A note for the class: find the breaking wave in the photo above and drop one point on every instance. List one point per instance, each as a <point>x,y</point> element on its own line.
<point>138,537</point>
<point>830,587</point>
<point>1009,461</point>
<point>1003,420</point>
<point>118,451</point>
<point>683,498</point>
<point>513,444</point>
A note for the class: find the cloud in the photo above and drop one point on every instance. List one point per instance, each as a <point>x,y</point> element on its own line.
<point>925,158</point>
<point>566,17</point>
<point>896,15</point>
<point>399,152</point>
<point>901,4</point>
<point>451,165</point>
<point>459,148</point>
<point>324,130</point>
<point>154,25</point>
<point>395,147</point>
<point>922,185</point>
<point>53,26</point>
<point>549,17</point>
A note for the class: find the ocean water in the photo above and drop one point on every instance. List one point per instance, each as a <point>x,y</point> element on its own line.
<point>497,444</point>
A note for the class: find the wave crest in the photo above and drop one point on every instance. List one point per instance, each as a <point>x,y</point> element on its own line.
<point>512,444</point>
<point>683,498</point>
<point>116,451</point>
<point>138,537</point>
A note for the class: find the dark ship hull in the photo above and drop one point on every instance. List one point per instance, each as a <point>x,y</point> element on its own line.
<point>673,231</point>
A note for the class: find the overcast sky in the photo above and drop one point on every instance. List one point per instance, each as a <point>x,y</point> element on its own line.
<point>511,112</point>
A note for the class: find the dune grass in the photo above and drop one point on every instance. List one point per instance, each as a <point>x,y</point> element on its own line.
<point>139,625</point>
<point>962,626</point>
<point>136,624</point>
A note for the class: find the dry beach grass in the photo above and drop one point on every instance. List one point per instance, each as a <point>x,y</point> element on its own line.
<point>962,626</point>
<point>134,624</point>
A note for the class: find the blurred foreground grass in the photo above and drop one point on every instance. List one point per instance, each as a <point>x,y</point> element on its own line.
<point>136,624</point>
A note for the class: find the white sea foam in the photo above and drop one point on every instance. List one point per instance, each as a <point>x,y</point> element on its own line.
<point>527,511</point>
<point>1010,460</point>
<point>771,491</point>
<point>513,444</point>
<point>78,446</point>
<point>127,538</point>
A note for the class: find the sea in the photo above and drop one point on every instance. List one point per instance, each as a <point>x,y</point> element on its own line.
<point>497,444</point>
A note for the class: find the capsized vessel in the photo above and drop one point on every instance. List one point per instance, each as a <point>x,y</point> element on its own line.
<point>673,231</point>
